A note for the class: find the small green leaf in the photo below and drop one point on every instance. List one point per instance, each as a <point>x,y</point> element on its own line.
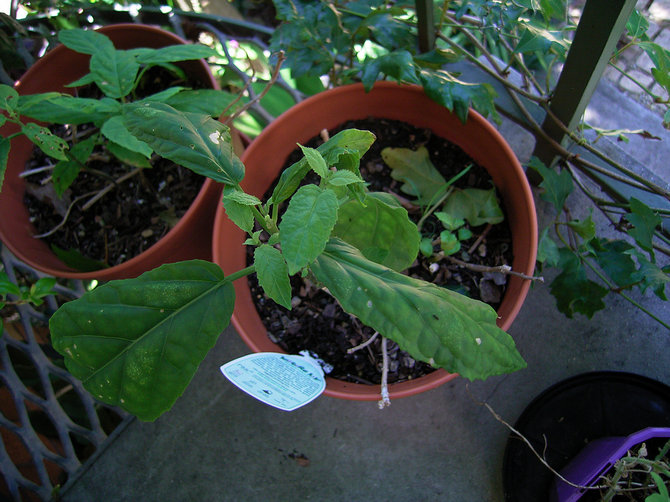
<point>651,276</point>
<point>433,324</point>
<point>464,234</point>
<point>448,220</point>
<point>114,129</point>
<point>644,221</point>
<point>557,185</point>
<point>344,178</point>
<point>475,205</point>
<point>585,228</point>
<point>413,167</point>
<point>165,95</point>
<point>74,259</point>
<point>241,197</point>
<point>399,65</point>
<point>192,140</point>
<point>49,143</point>
<point>87,79</point>
<point>613,257</point>
<point>315,161</point>
<point>43,287</point>
<point>206,101</point>
<point>637,25</point>
<point>84,41</point>
<point>129,157</point>
<point>426,246</point>
<point>66,171</point>
<point>115,72</point>
<point>239,213</point>
<point>306,225</point>
<point>547,250</point>
<point>272,274</point>
<point>381,230</point>
<point>449,243</point>
<point>9,99</point>
<point>7,287</point>
<point>136,343</point>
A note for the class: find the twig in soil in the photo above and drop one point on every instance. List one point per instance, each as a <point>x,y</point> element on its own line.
<point>67,215</point>
<point>109,187</point>
<point>364,344</point>
<point>480,238</point>
<point>37,170</point>
<point>502,269</point>
<point>385,400</point>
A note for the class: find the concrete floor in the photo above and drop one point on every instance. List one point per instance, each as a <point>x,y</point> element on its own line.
<point>219,444</point>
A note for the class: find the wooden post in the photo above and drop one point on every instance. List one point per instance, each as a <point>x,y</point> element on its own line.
<point>426,25</point>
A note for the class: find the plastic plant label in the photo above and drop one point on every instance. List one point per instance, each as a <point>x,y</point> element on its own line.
<point>284,381</point>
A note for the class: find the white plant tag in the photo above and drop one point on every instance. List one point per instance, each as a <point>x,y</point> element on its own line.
<point>284,381</point>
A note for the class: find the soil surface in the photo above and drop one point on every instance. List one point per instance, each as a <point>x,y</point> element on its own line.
<point>127,220</point>
<point>317,322</point>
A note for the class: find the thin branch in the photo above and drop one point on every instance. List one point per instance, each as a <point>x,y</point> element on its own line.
<point>364,344</point>
<point>110,187</point>
<point>502,269</point>
<point>67,215</point>
<point>385,400</point>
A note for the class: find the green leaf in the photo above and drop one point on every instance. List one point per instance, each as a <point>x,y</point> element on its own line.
<point>433,324</point>
<point>381,230</point>
<point>644,221</point>
<point>547,250</point>
<point>573,291</point>
<point>613,257</point>
<point>413,167</point>
<point>426,246</point>
<point>194,141</point>
<point>662,495</point>
<point>272,274</point>
<point>344,178</point>
<point>399,65</point>
<point>315,161</point>
<point>306,225</point>
<point>239,213</point>
<point>637,25</point>
<point>449,243</point>
<point>115,72</point>
<point>175,53</point>
<point>5,145</point>
<point>74,259</point>
<point>49,143</point>
<point>43,287</point>
<point>476,205</point>
<point>65,109</point>
<point>345,143</point>
<point>85,41</point>
<point>557,185</point>
<point>537,38</point>
<point>114,129</point>
<point>165,95</point>
<point>464,234</point>
<point>7,287</point>
<point>136,343</point>
<point>66,171</point>
<point>127,156</point>
<point>87,79</point>
<point>651,276</point>
<point>585,228</point>
<point>448,220</point>
<point>9,99</point>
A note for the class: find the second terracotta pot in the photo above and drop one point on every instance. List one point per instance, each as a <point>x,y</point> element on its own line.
<point>189,238</point>
<point>265,158</point>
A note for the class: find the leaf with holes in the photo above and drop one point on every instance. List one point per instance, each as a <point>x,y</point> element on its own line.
<point>49,143</point>
<point>433,324</point>
<point>136,343</point>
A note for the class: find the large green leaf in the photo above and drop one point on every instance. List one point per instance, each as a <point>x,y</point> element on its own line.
<point>413,167</point>
<point>175,53</point>
<point>206,101</point>
<point>399,65</point>
<point>137,343</point>
<point>475,205</point>
<point>192,140</point>
<point>382,231</point>
<point>65,109</point>
<point>433,324</point>
<point>114,129</point>
<point>306,225</point>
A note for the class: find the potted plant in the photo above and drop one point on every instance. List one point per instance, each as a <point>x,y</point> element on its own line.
<point>172,315</point>
<point>409,104</point>
<point>70,63</point>
<point>595,430</point>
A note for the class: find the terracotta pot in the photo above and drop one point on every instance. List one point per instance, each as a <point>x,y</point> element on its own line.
<point>265,158</point>
<point>190,238</point>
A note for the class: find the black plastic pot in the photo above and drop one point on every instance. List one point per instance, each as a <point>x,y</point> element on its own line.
<point>568,415</point>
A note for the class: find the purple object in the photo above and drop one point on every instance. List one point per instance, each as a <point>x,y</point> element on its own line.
<point>597,457</point>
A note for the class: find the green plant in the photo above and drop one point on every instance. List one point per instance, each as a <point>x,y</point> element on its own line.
<point>369,41</point>
<point>117,74</point>
<point>126,339</point>
<point>23,294</point>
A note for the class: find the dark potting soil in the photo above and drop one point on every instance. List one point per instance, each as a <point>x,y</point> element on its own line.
<point>128,219</point>
<point>317,322</point>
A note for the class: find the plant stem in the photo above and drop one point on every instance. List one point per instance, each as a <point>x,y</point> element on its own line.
<point>385,400</point>
<point>239,274</point>
<point>502,269</point>
<point>364,344</point>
